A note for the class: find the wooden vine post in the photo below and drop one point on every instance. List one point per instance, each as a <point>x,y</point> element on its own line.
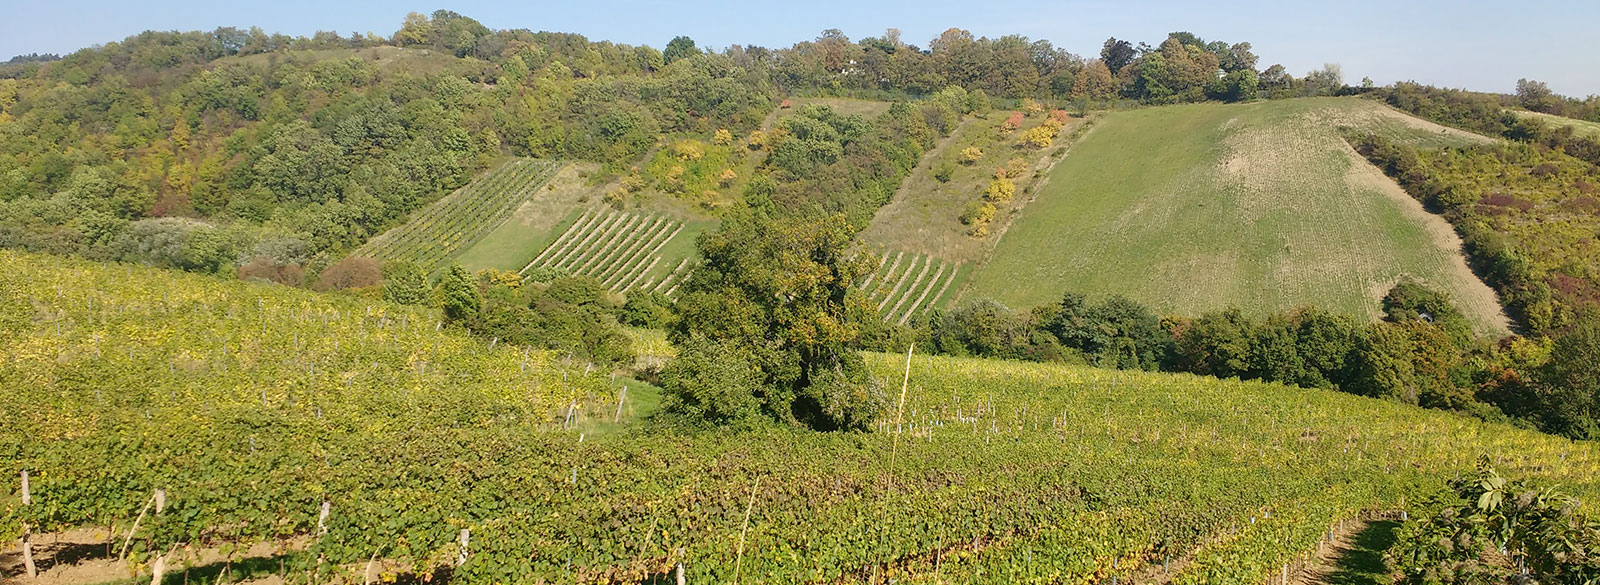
<point>27,547</point>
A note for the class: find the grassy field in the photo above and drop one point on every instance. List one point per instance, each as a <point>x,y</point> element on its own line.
<point>536,221</point>
<point>1262,206</point>
<point>925,214</point>
<point>1579,127</point>
<point>463,219</point>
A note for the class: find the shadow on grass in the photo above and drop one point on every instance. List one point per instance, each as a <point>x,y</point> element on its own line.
<point>1362,563</point>
<point>262,568</point>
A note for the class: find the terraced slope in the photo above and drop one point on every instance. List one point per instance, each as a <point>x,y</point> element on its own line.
<point>450,225</point>
<point>624,250</point>
<point>1262,206</point>
<point>906,284</point>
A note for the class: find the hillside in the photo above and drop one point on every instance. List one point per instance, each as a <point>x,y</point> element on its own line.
<point>1262,206</point>
<point>995,472</point>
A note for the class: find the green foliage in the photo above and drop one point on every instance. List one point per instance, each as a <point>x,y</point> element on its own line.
<point>1058,472</point>
<point>404,283</point>
<point>1539,530</point>
<point>459,295</point>
<point>1409,300</point>
<point>719,382</point>
<point>575,314</point>
<point>680,47</point>
<point>546,273</point>
<point>652,310</point>
<point>823,162</point>
<point>780,293</point>
<point>1570,381</point>
<point>1115,332</point>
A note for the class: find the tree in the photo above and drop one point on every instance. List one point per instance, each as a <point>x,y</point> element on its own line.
<point>1094,82</point>
<point>416,30</point>
<point>1325,81</point>
<point>1239,58</point>
<point>1215,344</point>
<point>1117,332</point>
<point>404,283</point>
<point>1117,54</point>
<point>1536,96</point>
<point>1570,381</point>
<point>680,47</point>
<point>459,295</point>
<point>775,300</point>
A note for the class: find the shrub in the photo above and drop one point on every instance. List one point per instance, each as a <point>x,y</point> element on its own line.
<point>1012,123</point>
<point>944,171</point>
<point>352,272</point>
<point>404,283</point>
<point>264,269</point>
<point>971,155</point>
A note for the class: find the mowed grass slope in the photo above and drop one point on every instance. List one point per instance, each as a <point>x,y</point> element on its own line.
<point>1262,206</point>
<point>1583,128</point>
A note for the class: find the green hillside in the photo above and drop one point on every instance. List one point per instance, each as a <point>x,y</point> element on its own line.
<point>460,220</point>
<point>1581,128</point>
<point>1261,206</point>
<point>993,472</point>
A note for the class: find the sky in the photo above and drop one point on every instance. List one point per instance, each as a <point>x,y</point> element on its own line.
<point>1473,44</point>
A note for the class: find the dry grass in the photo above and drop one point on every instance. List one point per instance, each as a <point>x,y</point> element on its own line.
<point>924,215</point>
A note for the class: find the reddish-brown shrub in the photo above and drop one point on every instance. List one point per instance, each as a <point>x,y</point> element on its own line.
<point>352,272</point>
<point>260,268</point>
<point>1504,200</point>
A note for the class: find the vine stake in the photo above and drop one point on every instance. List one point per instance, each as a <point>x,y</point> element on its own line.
<point>27,547</point>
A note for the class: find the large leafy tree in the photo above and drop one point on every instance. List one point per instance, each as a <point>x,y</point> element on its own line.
<point>772,326</point>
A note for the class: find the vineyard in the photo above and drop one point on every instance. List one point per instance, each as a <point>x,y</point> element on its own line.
<point>254,409</point>
<point>904,285</point>
<point>625,251</point>
<point>453,224</point>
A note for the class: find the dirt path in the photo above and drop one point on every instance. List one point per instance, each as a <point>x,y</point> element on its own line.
<point>1353,557</point>
<point>88,556</point>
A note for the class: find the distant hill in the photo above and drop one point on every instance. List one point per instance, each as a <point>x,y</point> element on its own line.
<point>1262,206</point>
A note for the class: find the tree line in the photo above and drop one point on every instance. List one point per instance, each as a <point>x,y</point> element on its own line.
<point>1422,352</point>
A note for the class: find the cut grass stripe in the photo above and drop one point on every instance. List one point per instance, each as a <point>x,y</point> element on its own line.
<point>618,231</point>
<point>897,284</point>
<point>640,273</point>
<point>942,289</point>
<point>647,249</point>
<point>583,244</point>
<point>874,274</point>
<point>926,289</point>
<point>576,228</point>
<point>600,255</point>
<point>926,264</point>
<point>886,275</point>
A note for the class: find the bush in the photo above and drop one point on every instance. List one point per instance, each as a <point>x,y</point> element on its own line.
<point>404,283</point>
<point>720,382</point>
<point>352,272</point>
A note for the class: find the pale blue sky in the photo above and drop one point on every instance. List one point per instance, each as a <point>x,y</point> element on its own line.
<point>1475,44</point>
